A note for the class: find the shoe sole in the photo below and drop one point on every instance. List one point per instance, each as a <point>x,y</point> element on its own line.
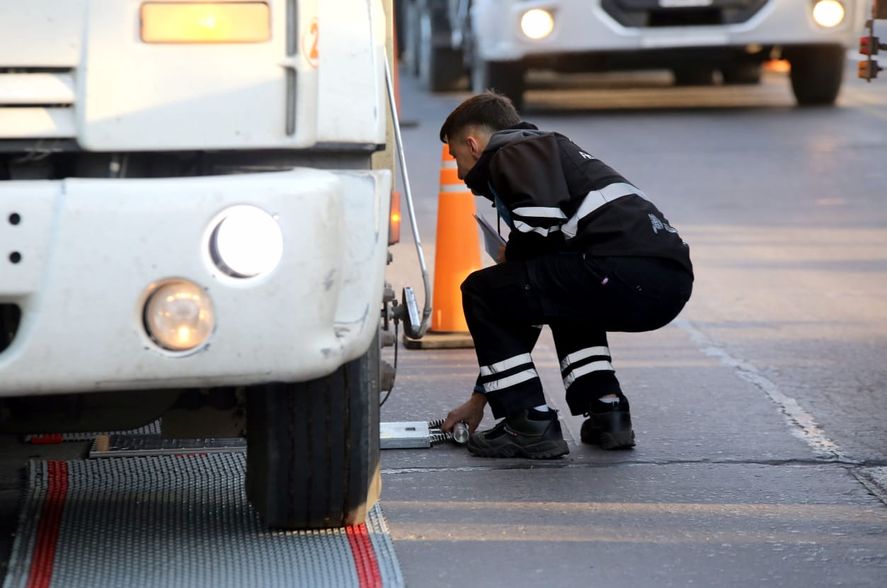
<point>620,440</point>
<point>619,436</point>
<point>543,450</point>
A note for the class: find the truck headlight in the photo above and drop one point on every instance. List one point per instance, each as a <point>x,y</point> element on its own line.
<point>246,242</point>
<point>205,22</point>
<point>537,23</point>
<point>828,13</point>
<point>179,315</point>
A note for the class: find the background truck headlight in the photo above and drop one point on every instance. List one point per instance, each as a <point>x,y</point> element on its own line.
<point>179,315</point>
<point>828,13</point>
<point>246,242</point>
<point>537,23</point>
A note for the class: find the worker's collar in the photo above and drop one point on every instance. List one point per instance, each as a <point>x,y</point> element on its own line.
<point>478,178</point>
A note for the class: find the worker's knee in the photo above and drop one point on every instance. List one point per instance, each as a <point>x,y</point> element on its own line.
<point>471,285</point>
<point>471,291</point>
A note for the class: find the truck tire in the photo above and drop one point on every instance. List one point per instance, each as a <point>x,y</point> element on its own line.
<point>504,77</point>
<point>313,447</point>
<point>411,37</point>
<point>816,74</point>
<point>742,73</point>
<point>400,27</point>
<point>440,67</point>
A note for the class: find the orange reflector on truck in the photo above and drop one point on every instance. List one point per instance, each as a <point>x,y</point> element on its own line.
<point>394,219</point>
<point>205,22</point>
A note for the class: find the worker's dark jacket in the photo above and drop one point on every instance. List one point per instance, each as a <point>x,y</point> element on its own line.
<point>557,197</point>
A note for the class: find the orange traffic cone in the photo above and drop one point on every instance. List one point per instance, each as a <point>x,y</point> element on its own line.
<point>456,254</point>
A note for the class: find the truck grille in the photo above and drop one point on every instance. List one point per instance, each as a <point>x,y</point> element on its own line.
<point>37,103</point>
<point>680,13</point>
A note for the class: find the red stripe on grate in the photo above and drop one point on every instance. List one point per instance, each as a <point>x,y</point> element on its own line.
<point>48,439</point>
<point>364,557</point>
<point>49,526</point>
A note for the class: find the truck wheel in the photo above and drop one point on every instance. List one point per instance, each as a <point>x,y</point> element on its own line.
<point>693,75</point>
<point>400,27</point>
<point>504,77</point>
<point>313,447</point>
<point>411,36</point>
<point>816,74</point>
<point>742,73</point>
<point>440,67</point>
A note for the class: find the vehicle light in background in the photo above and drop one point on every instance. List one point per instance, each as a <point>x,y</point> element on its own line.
<point>179,315</point>
<point>537,23</point>
<point>205,22</point>
<point>246,242</point>
<point>394,219</point>
<point>828,13</point>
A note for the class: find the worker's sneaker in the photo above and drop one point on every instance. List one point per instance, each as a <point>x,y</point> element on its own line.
<point>536,436</point>
<point>608,424</point>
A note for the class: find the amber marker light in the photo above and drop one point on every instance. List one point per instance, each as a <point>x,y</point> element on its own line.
<point>394,219</point>
<point>205,22</point>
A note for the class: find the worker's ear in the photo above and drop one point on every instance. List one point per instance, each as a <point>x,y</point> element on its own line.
<point>474,145</point>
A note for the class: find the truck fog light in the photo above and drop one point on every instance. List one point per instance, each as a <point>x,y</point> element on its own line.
<point>828,13</point>
<point>179,315</point>
<point>246,242</point>
<point>537,23</point>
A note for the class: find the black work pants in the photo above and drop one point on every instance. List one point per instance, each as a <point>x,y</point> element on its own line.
<point>581,298</point>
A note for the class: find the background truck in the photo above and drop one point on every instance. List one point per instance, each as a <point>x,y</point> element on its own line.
<point>496,41</point>
<point>194,225</point>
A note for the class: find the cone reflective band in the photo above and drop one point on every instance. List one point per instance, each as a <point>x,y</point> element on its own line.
<point>457,248</point>
<point>205,22</point>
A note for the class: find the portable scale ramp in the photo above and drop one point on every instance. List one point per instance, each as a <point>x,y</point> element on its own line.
<point>178,521</point>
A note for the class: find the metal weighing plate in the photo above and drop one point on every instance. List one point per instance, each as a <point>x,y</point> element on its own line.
<point>145,445</point>
<point>178,521</point>
<point>395,435</point>
<point>404,435</point>
<point>51,438</point>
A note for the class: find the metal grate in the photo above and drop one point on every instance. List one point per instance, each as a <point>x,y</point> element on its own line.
<point>177,521</point>
<point>151,429</point>
<point>681,13</point>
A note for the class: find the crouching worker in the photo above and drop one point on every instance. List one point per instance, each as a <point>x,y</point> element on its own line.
<point>588,253</point>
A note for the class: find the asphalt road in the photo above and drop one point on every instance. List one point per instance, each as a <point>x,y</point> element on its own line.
<point>760,413</point>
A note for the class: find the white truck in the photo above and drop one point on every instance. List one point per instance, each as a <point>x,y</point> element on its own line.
<point>193,226</point>
<point>496,41</point>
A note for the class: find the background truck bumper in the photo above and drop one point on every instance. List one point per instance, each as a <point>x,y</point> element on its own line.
<point>582,26</point>
<point>92,248</point>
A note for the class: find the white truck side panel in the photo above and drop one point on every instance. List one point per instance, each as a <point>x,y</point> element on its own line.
<point>138,96</point>
<point>41,33</point>
<point>92,247</point>
<point>351,73</point>
<point>134,96</point>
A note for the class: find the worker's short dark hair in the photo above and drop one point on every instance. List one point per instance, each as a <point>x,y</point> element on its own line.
<point>489,109</point>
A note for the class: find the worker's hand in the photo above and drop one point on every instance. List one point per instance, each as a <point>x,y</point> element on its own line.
<point>472,412</point>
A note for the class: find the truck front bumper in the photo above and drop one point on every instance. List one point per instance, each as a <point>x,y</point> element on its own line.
<point>90,250</point>
<point>584,27</point>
